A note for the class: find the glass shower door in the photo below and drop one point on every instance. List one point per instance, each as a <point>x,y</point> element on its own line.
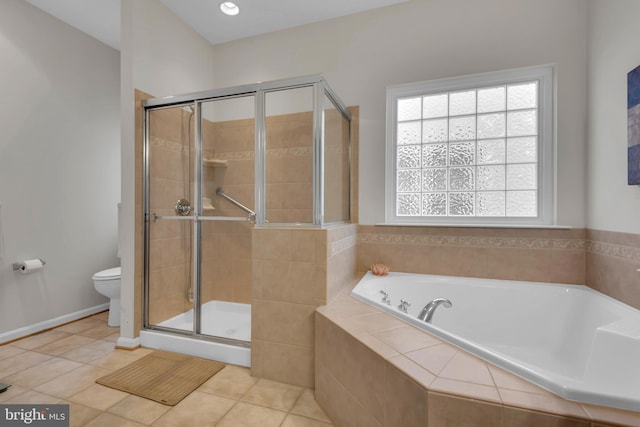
<point>170,158</point>
<point>228,196</point>
<point>200,163</point>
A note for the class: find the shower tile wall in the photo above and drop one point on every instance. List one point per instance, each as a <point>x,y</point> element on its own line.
<point>294,272</point>
<point>336,161</point>
<point>226,245</point>
<point>520,254</point>
<point>289,168</point>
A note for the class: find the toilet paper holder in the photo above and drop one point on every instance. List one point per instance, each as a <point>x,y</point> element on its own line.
<point>19,265</point>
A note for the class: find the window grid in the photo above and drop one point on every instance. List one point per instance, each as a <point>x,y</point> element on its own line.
<point>450,176</point>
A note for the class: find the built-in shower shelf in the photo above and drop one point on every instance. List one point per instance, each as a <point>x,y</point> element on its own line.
<point>215,163</point>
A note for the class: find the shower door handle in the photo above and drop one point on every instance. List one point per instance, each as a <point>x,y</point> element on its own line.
<point>183,207</point>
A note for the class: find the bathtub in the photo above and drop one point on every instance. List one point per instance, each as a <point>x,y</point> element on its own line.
<point>568,339</point>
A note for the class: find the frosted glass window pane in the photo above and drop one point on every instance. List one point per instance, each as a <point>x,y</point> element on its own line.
<point>461,103</point>
<point>461,204</point>
<point>522,203</point>
<point>491,125</point>
<point>409,109</point>
<point>462,153</point>
<point>408,204</point>
<point>434,204</point>
<point>522,177</point>
<point>434,179</point>
<point>522,96</point>
<point>491,99</point>
<point>434,155</point>
<point>491,177</point>
<point>462,128</point>
<point>409,180</point>
<point>409,156</point>
<point>490,203</point>
<point>434,130</point>
<point>409,133</point>
<point>435,106</point>
<point>461,179</point>
<point>522,123</point>
<point>491,151</point>
<point>522,150</point>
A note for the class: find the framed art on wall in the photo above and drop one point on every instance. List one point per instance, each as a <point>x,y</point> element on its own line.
<point>633,126</point>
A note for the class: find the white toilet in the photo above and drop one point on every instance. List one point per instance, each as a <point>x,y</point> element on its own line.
<point>107,282</point>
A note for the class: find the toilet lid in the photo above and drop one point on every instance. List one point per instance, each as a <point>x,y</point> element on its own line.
<point>110,274</point>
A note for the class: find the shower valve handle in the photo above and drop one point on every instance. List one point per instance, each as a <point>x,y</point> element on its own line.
<point>183,207</point>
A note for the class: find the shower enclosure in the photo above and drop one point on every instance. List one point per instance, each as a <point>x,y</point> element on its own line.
<point>216,165</point>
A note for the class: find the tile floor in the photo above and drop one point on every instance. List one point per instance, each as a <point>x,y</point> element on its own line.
<point>61,366</point>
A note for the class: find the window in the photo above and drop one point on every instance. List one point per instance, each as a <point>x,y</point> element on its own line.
<point>471,150</point>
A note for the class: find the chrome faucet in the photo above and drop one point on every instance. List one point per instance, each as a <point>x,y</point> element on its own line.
<point>427,312</point>
<point>385,297</point>
<point>403,305</point>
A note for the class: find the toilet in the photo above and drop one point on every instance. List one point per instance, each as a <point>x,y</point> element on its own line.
<point>107,282</point>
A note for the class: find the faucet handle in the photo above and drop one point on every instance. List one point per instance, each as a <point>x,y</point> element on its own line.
<point>403,305</point>
<point>385,297</point>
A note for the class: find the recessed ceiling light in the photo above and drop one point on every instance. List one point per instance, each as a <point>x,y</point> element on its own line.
<point>229,8</point>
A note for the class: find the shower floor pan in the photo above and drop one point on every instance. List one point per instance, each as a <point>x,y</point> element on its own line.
<point>218,319</point>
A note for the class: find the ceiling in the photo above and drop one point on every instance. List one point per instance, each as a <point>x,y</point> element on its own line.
<point>101,18</point>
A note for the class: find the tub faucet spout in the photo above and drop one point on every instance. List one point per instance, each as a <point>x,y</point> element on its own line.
<point>427,312</point>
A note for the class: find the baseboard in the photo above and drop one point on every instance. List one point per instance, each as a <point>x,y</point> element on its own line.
<point>128,343</point>
<point>51,323</point>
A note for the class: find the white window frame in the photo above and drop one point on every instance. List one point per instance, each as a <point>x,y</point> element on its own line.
<point>546,145</point>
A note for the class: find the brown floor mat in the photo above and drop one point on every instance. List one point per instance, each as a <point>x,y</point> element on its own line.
<point>162,376</point>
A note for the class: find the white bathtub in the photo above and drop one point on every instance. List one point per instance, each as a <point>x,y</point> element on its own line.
<point>568,339</point>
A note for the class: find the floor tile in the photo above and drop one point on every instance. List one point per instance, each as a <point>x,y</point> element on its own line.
<point>89,352</point>
<point>62,365</point>
<point>11,392</point>
<point>106,419</point>
<point>248,415</point>
<point>273,395</point>
<point>72,382</point>
<point>308,407</point>
<point>80,325</point>
<point>139,409</point>
<point>9,350</point>
<point>98,332</point>
<point>41,339</point>
<point>98,396</point>
<point>80,415</point>
<point>232,382</point>
<point>71,342</point>
<point>17,363</point>
<point>298,421</point>
<point>42,372</point>
<point>120,358</point>
<point>33,397</point>
<point>197,409</point>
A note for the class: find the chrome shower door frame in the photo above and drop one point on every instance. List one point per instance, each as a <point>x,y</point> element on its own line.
<point>258,90</point>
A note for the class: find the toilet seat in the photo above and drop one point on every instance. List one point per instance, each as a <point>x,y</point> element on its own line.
<point>110,274</point>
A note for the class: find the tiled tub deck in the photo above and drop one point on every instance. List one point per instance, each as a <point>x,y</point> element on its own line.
<point>376,371</point>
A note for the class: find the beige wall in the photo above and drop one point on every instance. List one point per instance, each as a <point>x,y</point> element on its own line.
<point>160,55</point>
<point>364,53</point>
<point>613,52</point>
<point>59,168</point>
